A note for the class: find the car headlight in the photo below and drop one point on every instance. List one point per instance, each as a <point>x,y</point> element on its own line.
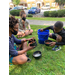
<point>34,9</point>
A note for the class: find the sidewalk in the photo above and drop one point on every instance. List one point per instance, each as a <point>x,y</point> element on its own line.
<point>42,22</point>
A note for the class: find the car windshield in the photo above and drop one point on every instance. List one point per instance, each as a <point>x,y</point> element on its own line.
<point>33,8</point>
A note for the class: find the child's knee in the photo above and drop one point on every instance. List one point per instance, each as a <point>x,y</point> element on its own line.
<point>50,35</point>
<point>59,38</point>
<point>20,60</point>
<point>31,30</point>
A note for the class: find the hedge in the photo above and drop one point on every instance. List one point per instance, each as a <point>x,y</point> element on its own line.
<point>59,13</point>
<point>29,15</point>
<point>15,12</point>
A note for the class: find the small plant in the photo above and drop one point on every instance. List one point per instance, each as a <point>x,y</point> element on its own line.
<point>29,15</point>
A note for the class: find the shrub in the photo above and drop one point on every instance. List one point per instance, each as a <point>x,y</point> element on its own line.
<point>29,15</point>
<point>15,12</point>
<point>53,14</point>
<point>46,13</point>
<point>61,13</point>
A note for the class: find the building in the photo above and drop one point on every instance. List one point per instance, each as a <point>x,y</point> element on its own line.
<point>38,3</point>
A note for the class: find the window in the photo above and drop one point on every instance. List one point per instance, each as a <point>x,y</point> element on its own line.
<point>47,5</point>
<point>29,5</point>
<point>53,4</point>
<point>33,5</point>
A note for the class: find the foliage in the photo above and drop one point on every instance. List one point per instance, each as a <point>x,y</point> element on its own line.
<point>29,15</point>
<point>60,2</point>
<point>16,2</point>
<point>15,12</point>
<point>53,14</point>
<point>46,13</point>
<point>59,13</point>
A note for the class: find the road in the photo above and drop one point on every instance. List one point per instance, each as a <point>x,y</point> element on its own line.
<point>41,14</point>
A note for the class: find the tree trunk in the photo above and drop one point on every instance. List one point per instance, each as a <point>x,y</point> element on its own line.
<point>61,6</point>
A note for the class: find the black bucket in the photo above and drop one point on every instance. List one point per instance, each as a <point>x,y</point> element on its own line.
<point>33,44</point>
<point>37,54</point>
<point>47,42</point>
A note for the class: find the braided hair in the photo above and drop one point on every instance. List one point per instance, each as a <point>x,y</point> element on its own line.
<point>12,21</point>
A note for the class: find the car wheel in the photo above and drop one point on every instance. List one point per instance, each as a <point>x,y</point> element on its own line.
<point>35,12</point>
<point>39,11</point>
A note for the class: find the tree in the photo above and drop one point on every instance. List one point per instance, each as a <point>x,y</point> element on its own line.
<point>61,3</point>
<point>16,2</point>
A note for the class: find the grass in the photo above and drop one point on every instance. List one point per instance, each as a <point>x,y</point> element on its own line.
<point>51,62</point>
<point>44,18</point>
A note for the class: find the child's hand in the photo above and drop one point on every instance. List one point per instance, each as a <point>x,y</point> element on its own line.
<point>30,47</point>
<point>41,30</point>
<point>52,43</point>
<point>23,40</point>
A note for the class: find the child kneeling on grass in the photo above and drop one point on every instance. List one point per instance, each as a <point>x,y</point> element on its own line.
<point>58,35</point>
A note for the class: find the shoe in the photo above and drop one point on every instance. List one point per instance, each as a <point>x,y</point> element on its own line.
<point>27,55</point>
<point>28,60</point>
<point>56,48</point>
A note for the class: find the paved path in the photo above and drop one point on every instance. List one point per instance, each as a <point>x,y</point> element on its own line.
<point>42,22</point>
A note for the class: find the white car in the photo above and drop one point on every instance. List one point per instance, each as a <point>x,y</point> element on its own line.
<point>45,7</point>
<point>24,7</point>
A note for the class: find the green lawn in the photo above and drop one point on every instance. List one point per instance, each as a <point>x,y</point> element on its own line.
<point>44,18</point>
<point>51,62</point>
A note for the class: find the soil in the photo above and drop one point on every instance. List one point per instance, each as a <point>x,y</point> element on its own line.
<point>47,42</point>
<point>32,41</point>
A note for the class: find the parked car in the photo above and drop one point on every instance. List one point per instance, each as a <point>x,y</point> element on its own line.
<point>18,8</point>
<point>34,10</point>
<point>24,7</point>
<point>10,8</point>
<point>45,7</point>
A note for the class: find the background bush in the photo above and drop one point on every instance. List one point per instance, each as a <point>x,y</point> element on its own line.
<point>15,12</point>
<point>46,13</point>
<point>59,13</point>
<point>29,15</point>
<point>53,13</point>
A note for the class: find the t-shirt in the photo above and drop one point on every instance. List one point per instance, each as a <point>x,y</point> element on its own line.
<point>61,33</point>
<point>13,40</point>
<point>25,26</point>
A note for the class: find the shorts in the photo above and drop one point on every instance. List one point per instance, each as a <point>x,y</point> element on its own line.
<point>54,36</point>
<point>10,59</point>
<point>16,47</point>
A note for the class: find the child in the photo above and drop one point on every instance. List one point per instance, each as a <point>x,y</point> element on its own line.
<point>58,35</point>
<point>23,25</point>
<point>17,57</point>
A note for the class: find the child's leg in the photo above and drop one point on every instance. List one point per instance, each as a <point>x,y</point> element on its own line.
<point>30,32</point>
<point>52,35</point>
<point>59,38</point>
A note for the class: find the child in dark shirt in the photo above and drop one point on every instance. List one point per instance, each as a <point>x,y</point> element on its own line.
<point>58,35</point>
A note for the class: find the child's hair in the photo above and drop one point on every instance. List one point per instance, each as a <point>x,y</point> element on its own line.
<point>12,21</point>
<point>59,24</point>
<point>22,12</point>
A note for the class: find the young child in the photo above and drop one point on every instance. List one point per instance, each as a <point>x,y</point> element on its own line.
<point>24,26</point>
<point>58,35</point>
<point>17,57</point>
